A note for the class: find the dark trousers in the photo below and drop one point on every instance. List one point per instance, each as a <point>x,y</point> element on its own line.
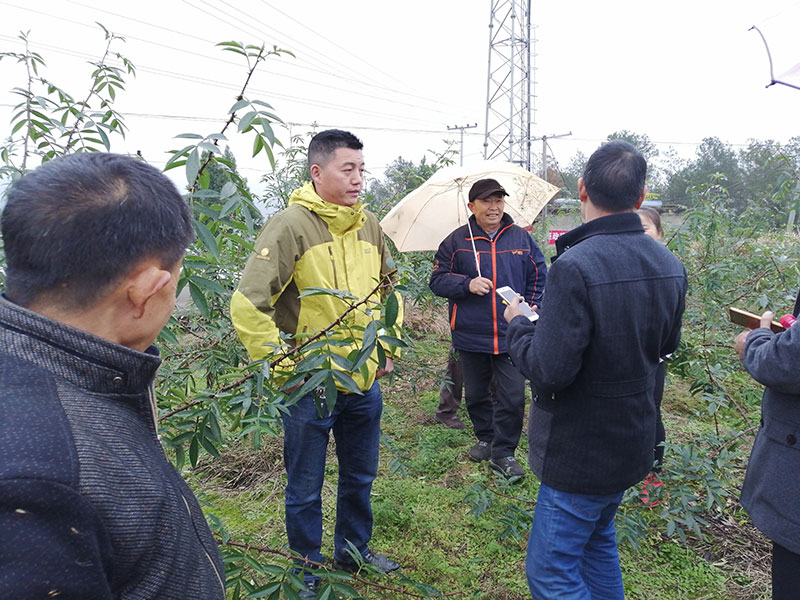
<point>498,423</point>
<point>658,395</point>
<point>785,573</point>
<point>450,392</point>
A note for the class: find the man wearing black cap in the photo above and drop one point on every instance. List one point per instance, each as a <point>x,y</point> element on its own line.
<point>488,253</point>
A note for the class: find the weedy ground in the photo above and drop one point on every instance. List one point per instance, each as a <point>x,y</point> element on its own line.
<point>455,525</point>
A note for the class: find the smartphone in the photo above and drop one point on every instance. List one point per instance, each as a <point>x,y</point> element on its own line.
<point>751,320</point>
<point>508,295</point>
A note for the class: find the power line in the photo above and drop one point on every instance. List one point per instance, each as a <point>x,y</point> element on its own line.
<point>319,35</point>
<point>221,84</point>
<point>367,84</point>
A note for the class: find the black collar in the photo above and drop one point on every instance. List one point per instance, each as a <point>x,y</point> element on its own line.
<point>628,222</point>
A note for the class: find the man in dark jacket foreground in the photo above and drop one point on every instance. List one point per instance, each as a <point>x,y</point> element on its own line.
<point>508,256</point>
<point>612,309</point>
<point>89,505</point>
<point>772,483</point>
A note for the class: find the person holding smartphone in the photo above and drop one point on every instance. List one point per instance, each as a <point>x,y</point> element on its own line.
<point>503,255</point>
<point>613,308</point>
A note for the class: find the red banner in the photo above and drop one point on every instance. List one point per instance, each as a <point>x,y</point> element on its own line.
<point>554,234</point>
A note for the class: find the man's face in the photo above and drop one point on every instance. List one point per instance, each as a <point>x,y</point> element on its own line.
<point>339,181</point>
<point>488,211</point>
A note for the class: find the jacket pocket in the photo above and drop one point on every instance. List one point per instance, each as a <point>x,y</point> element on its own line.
<point>538,435</point>
<point>786,434</point>
<point>619,389</point>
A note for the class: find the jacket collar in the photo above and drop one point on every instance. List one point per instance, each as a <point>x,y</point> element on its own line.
<point>477,230</point>
<point>628,222</point>
<point>340,219</point>
<point>87,361</point>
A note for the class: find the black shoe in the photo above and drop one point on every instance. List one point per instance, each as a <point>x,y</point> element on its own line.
<point>508,467</point>
<point>310,593</point>
<point>379,561</point>
<point>480,452</point>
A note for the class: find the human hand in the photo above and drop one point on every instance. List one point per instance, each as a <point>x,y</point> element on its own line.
<point>388,368</point>
<point>512,310</point>
<point>739,340</point>
<point>480,286</point>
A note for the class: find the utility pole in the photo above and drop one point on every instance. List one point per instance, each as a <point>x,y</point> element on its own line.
<point>462,128</point>
<point>509,86</point>
<point>544,139</point>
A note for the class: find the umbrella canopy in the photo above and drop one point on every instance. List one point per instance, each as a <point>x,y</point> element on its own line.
<point>422,219</point>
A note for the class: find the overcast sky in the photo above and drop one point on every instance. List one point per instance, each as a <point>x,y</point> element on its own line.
<point>398,73</point>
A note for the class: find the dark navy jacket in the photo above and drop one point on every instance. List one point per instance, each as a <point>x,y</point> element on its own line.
<point>512,258</point>
<point>772,484</point>
<point>90,507</point>
<point>613,308</point>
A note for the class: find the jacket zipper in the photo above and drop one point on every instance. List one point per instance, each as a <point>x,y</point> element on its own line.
<point>494,300</point>
<point>151,394</point>
<point>333,268</point>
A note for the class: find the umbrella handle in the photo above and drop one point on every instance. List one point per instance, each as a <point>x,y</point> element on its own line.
<point>469,226</point>
<point>474,250</point>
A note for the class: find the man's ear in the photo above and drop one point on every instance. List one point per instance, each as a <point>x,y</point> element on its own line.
<point>641,198</point>
<point>471,206</point>
<point>582,193</point>
<point>144,283</point>
<point>314,170</point>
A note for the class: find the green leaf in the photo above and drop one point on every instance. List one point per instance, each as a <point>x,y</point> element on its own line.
<point>258,144</point>
<point>207,284</point>
<point>204,180</point>
<point>247,120</point>
<point>229,206</point>
<point>199,300</point>
<point>192,166</point>
<point>347,382</point>
<point>194,450</point>
<point>228,190</point>
<point>168,337</point>
<point>393,341</point>
<point>207,238</point>
<point>391,310</point>
<point>239,105</point>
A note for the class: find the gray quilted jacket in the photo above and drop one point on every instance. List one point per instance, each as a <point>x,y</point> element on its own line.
<point>772,484</point>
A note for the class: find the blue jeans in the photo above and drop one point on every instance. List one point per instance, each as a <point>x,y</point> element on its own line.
<point>572,553</point>
<point>355,421</point>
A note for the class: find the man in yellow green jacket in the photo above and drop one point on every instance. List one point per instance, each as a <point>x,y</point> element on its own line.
<point>323,239</point>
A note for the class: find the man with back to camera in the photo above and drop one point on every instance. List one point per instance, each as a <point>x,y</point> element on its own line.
<point>89,505</point>
<point>613,308</point>
<point>324,238</point>
<point>508,257</point>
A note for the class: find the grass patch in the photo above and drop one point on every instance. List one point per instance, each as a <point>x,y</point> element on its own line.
<point>454,525</point>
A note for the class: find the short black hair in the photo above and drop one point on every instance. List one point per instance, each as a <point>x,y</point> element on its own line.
<point>77,224</point>
<point>324,144</point>
<point>614,176</point>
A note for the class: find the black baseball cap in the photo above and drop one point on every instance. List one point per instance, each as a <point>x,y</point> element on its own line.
<point>483,188</point>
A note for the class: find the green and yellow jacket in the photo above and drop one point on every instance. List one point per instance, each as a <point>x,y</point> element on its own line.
<point>311,244</point>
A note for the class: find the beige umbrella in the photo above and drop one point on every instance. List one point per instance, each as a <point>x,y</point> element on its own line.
<point>422,219</point>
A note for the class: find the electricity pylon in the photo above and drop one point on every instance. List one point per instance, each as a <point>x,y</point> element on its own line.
<point>508,95</point>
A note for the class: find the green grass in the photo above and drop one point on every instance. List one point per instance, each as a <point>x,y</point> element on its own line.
<point>450,522</point>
